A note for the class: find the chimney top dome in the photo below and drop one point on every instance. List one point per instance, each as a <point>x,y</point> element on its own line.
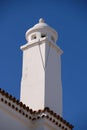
<point>41,26</point>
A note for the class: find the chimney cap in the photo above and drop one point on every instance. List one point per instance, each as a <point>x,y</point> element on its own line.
<point>40,26</point>
<point>41,20</point>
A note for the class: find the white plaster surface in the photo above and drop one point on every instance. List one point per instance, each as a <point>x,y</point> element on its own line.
<point>41,78</point>
<point>53,87</point>
<point>32,85</point>
<point>41,74</point>
<point>12,120</point>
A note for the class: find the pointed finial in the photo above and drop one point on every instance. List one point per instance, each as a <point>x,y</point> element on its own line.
<point>41,20</point>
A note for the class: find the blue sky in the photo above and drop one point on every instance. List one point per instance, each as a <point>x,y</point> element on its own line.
<point>69,18</point>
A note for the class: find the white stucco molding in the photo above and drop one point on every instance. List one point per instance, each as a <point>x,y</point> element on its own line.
<point>41,41</point>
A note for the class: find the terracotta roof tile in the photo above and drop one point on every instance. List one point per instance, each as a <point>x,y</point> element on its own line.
<point>45,113</point>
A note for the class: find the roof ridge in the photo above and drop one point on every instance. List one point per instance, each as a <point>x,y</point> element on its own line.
<point>49,113</point>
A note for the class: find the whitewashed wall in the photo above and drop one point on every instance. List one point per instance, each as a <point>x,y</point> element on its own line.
<point>53,86</point>
<point>11,120</point>
<point>33,78</point>
<point>41,77</point>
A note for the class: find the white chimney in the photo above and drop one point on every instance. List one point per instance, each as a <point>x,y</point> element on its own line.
<point>41,74</point>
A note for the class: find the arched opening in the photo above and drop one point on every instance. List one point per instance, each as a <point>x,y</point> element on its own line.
<point>43,35</point>
<point>33,37</point>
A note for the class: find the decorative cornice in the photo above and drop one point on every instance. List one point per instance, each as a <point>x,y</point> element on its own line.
<point>46,113</point>
<point>41,41</point>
